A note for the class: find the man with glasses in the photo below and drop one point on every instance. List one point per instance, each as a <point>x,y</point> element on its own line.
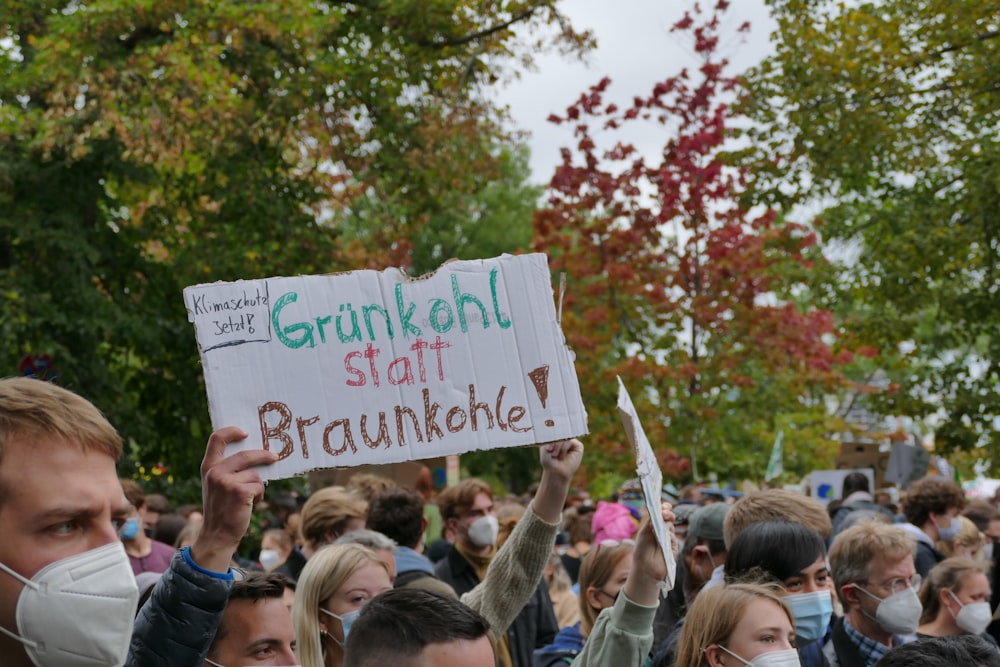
<point>873,571</point>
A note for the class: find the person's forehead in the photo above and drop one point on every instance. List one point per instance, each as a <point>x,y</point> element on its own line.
<point>249,622</point>
<point>481,501</point>
<point>39,473</point>
<point>971,582</point>
<point>458,653</point>
<point>370,577</point>
<point>762,613</point>
<point>883,568</point>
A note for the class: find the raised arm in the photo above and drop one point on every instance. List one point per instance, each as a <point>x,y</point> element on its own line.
<point>623,634</point>
<point>176,626</point>
<point>517,568</point>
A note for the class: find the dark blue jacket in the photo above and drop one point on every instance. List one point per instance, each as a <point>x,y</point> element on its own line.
<point>563,649</point>
<point>175,628</point>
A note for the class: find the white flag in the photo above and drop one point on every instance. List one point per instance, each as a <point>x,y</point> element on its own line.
<point>776,465</point>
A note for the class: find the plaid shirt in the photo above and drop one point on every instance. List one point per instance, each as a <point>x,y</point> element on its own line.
<point>871,651</point>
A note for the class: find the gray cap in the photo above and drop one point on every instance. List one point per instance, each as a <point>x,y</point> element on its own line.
<point>706,522</point>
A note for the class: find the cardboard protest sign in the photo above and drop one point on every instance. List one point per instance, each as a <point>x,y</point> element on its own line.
<point>374,367</point>
<point>650,477</point>
<point>827,485</point>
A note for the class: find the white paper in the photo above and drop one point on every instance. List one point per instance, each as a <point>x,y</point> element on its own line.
<point>650,478</point>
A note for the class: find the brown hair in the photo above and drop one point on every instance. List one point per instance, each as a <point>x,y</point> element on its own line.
<point>856,548</point>
<point>35,409</point>
<point>133,492</point>
<point>714,615</point>
<point>369,486</point>
<point>283,539</point>
<point>595,571</point>
<point>456,500</point>
<point>981,513</point>
<point>931,494</point>
<point>326,512</point>
<point>577,527</point>
<point>775,505</point>
<point>32,409</point>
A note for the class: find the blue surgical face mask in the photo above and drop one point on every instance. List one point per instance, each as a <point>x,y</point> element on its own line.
<point>812,612</point>
<point>948,533</point>
<point>346,621</point>
<point>129,529</point>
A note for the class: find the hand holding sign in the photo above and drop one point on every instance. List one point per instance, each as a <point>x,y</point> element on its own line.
<point>230,486</point>
<point>649,564</point>
<point>651,479</point>
<point>560,461</point>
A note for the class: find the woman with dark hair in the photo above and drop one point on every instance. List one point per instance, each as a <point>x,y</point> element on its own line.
<point>794,557</point>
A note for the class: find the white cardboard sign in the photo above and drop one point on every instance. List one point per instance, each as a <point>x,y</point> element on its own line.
<point>374,367</point>
<point>650,477</point>
<point>826,485</point>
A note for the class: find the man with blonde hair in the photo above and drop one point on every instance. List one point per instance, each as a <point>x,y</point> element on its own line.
<point>328,514</point>
<point>775,505</point>
<point>67,593</point>
<point>873,572</point>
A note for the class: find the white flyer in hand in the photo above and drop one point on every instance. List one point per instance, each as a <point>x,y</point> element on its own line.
<point>650,478</point>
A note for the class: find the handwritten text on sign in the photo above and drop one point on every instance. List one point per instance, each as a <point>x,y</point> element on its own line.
<point>373,367</point>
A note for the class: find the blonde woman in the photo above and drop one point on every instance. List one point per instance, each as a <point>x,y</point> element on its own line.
<point>956,600</point>
<point>738,624</point>
<point>335,584</point>
<point>967,543</point>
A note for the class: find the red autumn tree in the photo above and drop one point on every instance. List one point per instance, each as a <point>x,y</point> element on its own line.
<point>699,305</point>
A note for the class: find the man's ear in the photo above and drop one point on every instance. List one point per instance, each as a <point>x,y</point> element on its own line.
<point>423,524</point>
<point>850,595</point>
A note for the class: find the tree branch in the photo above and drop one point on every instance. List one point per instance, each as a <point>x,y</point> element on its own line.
<point>486,32</point>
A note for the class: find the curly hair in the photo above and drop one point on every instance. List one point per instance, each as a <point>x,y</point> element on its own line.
<point>930,495</point>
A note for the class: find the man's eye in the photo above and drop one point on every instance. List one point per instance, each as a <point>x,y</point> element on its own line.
<point>63,528</point>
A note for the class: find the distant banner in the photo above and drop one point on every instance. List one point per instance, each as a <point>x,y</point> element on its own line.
<point>374,367</point>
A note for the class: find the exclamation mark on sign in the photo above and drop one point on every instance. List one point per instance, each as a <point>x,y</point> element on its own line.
<point>540,378</point>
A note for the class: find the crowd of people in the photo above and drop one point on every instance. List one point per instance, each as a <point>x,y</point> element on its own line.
<point>95,572</point>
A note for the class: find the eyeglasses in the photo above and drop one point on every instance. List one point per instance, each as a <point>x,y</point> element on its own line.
<point>899,583</point>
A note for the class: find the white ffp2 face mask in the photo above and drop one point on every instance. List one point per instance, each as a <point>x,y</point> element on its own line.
<point>786,658</point>
<point>899,613</point>
<point>269,558</point>
<point>78,611</point>
<point>973,617</point>
<point>484,530</point>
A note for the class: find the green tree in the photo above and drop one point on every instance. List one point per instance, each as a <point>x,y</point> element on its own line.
<point>887,114</point>
<point>149,145</point>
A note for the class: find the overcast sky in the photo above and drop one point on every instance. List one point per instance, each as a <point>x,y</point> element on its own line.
<point>636,49</point>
